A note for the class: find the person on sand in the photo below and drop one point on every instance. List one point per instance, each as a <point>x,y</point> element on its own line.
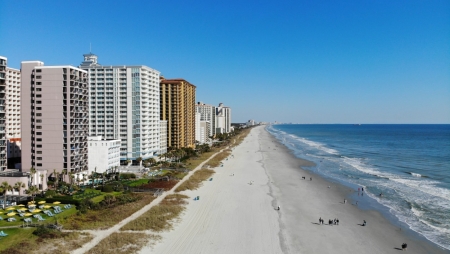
<point>364,223</point>
<point>310,178</point>
<point>345,201</point>
<point>278,208</point>
<point>337,221</point>
<point>404,246</point>
<point>320,220</point>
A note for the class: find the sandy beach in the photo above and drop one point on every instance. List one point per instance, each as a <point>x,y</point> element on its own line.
<point>237,211</point>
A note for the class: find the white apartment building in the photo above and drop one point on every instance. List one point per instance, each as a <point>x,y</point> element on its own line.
<point>223,119</point>
<point>208,114</point>
<point>3,162</point>
<point>124,104</point>
<point>104,155</point>
<point>163,137</point>
<point>13,113</point>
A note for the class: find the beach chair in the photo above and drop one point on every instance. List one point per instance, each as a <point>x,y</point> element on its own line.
<point>40,218</point>
<point>11,219</point>
<point>3,233</point>
<point>1,218</point>
<point>21,214</point>
<point>50,214</point>
<point>41,207</point>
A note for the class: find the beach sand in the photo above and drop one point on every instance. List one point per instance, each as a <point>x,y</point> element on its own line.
<point>237,214</point>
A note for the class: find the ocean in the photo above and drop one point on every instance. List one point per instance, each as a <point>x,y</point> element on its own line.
<point>408,164</point>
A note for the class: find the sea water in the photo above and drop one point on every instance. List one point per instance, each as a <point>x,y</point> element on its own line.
<point>408,164</point>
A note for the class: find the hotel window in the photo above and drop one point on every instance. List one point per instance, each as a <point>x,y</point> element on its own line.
<point>38,83</point>
<point>38,114</point>
<point>39,133</point>
<point>39,158</point>
<point>38,127</point>
<point>39,152</point>
<point>38,89</point>
<point>38,95</point>
<point>39,146</point>
<point>39,139</point>
<point>38,70</point>
<point>38,102</point>
<point>39,164</point>
<point>38,77</point>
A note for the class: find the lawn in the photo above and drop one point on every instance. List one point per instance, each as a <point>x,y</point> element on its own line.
<point>19,220</point>
<point>15,236</point>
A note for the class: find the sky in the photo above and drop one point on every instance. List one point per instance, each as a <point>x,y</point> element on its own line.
<point>288,61</point>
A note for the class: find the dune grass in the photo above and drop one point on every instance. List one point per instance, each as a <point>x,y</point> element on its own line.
<point>22,241</point>
<point>123,243</point>
<point>106,218</point>
<point>160,217</point>
<point>195,180</point>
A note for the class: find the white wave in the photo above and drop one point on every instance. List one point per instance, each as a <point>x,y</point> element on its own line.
<point>415,174</point>
<point>427,186</point>
<point>417,212</point>
<point>318,145</point>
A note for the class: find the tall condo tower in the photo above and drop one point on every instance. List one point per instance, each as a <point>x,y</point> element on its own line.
<point>124,104</point>
<point>2,113</point>
<point>207,114</point>
<point>223,119</point>
<point>13,114</point>
<point>178,109</point>
<point>54,116</point>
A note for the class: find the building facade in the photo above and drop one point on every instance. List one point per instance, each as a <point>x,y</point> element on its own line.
<point>163,137</point>
<point>223,119</point>
<point>104,155</point>
<point>178,109</point>
<point>124,104</point>
<point>207,113</point>
<point>3,162</point>
<point>13,142</point>
<point>54,118</point>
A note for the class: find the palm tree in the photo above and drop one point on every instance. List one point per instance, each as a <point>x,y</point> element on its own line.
<point>18,186</point>
<point>33,190</point>
<point>56,176</point>
<point>32,173</point>
<point>4,187</point>
<point>64,173</point>
<point>42,181</point>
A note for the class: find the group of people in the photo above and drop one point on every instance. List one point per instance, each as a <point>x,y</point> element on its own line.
<point>330,222</point>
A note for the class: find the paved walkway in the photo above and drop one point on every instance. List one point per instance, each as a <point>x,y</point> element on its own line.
<point>99,235</point>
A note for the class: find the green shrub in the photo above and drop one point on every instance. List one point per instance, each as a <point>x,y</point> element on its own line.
<point>44,232</point>
<point>108,188</point>
<point>50,194</point>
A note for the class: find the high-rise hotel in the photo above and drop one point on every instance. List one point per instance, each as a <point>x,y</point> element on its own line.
<point>124,104</point>
<point>178,109</point>
<point>2,113</point>
<point>54,118</point>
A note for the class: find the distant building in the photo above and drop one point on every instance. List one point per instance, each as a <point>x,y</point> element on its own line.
<point>104,155</point>
<point>3,62</point>
<point>208,114</point>
<point>223,119</point>
<point>54,118</point>
<point>250,123</point>
<point>163,137</point>
<point>178,109</point>
<point>13,114</point>
<point>124,104</point>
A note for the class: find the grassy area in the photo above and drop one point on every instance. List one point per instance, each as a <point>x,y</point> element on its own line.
<point>159,217</point>
<point>137,182</point>
<point>106,218</point>
<point>194,181</point>
<point>193,162</point>
<point>123,243</point>
<point>215,161</point>
<point>23,241</point>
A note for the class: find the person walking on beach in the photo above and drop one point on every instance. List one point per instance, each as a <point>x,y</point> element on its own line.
<point>364,223</point>
<point>337,221</point>
<point>345,201</point>
<point>404,246</point>
<point>278,208</point>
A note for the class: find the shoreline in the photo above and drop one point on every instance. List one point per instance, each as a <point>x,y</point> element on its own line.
<point>237,211</point>
<point>366,207</point>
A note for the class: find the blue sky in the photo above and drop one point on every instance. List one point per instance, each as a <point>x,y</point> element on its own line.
<point>289,61</point>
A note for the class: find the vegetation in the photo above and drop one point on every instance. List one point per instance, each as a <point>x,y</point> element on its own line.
<point>107,213</point>
<point>194,181</point>
<point>28,241</point>
<point>123,243</point>
<point>159,217</point>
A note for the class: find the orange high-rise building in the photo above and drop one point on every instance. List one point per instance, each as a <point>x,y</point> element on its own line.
<point>178,109</point>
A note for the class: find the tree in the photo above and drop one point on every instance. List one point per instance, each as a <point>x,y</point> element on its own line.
<point>42,180</point>
<point>32,174</point>
<point>64,173</point>
<point>138,160</point>
<point>33,190</point>
<point>56,176</point>
<point>5,187</point>
<point>18,186</point>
